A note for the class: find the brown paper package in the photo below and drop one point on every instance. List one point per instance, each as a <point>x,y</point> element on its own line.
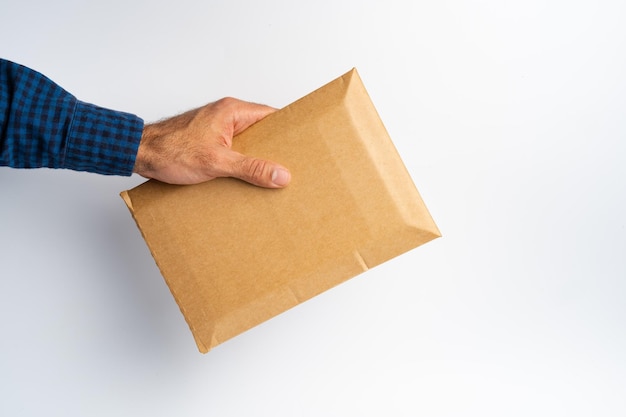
<point>235,255</point>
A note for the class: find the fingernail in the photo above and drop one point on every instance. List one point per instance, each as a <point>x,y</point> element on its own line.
<point>281,177</point>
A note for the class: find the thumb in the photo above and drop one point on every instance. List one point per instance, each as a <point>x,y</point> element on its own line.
<point>260,172</point>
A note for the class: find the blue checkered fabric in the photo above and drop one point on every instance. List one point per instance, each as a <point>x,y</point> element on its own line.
<point>42,125</point>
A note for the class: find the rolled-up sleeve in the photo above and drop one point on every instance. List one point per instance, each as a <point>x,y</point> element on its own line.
<point>42,125</point>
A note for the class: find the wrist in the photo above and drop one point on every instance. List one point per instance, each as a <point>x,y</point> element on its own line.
<point>144,162</point>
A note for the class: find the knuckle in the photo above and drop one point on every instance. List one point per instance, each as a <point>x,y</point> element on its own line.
<point>227,102</point>
<point>254,168</point>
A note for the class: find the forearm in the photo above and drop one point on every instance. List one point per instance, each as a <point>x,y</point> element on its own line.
<point>102,141</point>
<point>42,125</point>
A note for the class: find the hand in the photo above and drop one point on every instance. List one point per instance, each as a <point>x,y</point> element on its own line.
<point>196,146</point>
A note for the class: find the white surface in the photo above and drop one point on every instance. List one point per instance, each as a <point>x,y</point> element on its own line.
<point>510,116</point>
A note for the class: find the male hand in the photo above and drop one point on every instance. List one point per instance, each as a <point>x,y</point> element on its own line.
<point>196,146</point>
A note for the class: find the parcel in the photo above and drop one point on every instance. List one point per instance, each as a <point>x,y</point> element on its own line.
<point>234,255</point>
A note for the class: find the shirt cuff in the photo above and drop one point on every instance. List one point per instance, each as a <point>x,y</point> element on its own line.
<point>102,141</point>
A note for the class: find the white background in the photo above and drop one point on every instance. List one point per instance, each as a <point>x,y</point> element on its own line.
<point>510,117</point>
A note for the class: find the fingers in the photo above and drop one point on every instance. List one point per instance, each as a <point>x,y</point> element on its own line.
<point>260,172</point>
<point>244,113</point>
<point>251,114</point>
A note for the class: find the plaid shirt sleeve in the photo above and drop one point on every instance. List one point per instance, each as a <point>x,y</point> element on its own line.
<point>42,125</point>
